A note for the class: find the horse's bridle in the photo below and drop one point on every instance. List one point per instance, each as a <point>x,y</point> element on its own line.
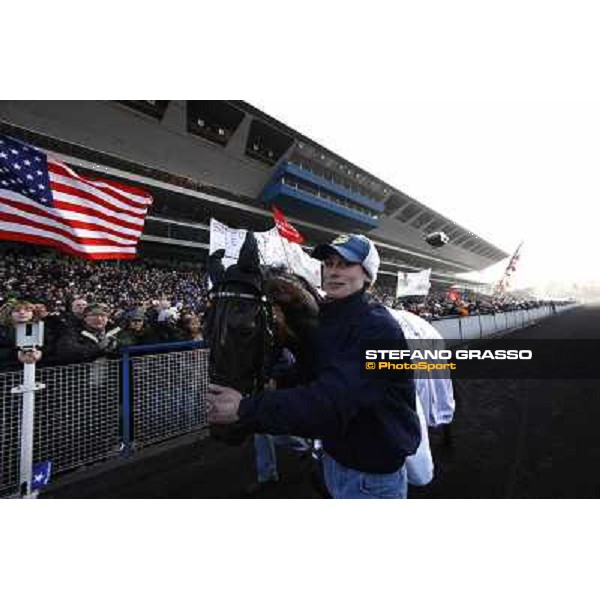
<point>241,295</point>
<point>268,322</point>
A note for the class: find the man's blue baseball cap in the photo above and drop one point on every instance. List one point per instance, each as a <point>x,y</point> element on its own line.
<point>353,248</point>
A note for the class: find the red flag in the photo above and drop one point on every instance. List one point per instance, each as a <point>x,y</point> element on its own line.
<point>286,230</point>
<point>43,201</point>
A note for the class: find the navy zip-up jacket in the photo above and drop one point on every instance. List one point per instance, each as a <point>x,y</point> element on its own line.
<point>367,425</point>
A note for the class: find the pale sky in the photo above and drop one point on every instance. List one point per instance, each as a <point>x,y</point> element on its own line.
<point>486,112</point>
<point>500,132</point>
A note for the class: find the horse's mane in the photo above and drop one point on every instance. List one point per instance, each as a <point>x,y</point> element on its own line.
<point>299,302</point>
<point>293,292</point>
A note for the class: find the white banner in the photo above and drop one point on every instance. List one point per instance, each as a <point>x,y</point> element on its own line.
<point>413,284</point>
<point>273,249</point>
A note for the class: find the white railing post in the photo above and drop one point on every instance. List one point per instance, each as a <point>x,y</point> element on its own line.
<point>27,390</point>
<point>29,338</point>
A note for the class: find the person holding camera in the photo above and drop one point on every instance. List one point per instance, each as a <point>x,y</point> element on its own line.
<point>12,315</point>
<point>92,340</point>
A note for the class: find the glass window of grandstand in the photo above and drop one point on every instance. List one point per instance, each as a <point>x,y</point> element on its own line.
<point>393,203</point>
<point>213,120</point>
<point>152,108</point>
<point>265,143</point>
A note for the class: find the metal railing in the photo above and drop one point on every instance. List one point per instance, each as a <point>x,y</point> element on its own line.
<point>476,327</point>
<point>164,394</point>
<point>10,431</point>
<point>92,412</point>
<point>76,418</point>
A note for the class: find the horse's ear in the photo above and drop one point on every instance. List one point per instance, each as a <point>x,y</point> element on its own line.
<point>214,266</point>
<point>249,259</point>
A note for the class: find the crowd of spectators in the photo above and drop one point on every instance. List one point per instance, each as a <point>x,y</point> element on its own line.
<point>449,304</point>
<point>91,309</point>
<point>55,279</point>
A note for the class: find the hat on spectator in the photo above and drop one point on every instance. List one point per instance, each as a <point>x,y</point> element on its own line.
<point>353,248</point>
<point>96,309</point>
<point>137,314</point>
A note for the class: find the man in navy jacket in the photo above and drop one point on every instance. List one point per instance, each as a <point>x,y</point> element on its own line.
<point>367,427</point>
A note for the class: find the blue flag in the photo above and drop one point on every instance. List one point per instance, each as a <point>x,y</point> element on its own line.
<point>40,476</point>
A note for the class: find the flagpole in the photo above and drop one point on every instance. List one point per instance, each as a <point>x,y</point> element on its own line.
<point>287,258</point>
<point>502,285</point>
<point>280,221</point>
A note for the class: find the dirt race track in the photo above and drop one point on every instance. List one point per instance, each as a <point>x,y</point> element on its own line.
<point>510,439</point>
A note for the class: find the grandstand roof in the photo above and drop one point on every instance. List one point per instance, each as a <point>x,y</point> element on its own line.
<point>221,155</point>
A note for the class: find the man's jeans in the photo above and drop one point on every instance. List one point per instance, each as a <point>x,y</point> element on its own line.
<point>266,456</point>
<point>343,482</point>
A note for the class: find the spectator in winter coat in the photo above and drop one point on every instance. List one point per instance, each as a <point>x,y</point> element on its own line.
<point>91,340</point>
<point>136,330</point>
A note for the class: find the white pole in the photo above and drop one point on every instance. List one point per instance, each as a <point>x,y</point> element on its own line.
<point>29,337</point>
<point>28,413</point>
<point>287,259</point>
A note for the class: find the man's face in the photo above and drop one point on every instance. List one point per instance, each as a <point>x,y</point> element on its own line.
<point>341,278</point>
<point>96,321</point>
<point>136,324</point>
<point>78,306</point>
<point>41,312</point>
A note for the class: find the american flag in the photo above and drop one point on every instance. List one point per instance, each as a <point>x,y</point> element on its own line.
<point>43,201</point>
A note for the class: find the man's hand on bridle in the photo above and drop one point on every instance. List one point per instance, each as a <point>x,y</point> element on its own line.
<point>223,404</point>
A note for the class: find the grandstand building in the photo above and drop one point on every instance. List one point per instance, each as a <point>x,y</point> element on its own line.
<point>230,161</point>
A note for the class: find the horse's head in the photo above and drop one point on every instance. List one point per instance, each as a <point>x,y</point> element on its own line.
<point>254,312</point>
<point>239,322</point>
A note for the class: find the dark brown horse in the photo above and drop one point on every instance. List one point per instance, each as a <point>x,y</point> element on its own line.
<point>254,312</point>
